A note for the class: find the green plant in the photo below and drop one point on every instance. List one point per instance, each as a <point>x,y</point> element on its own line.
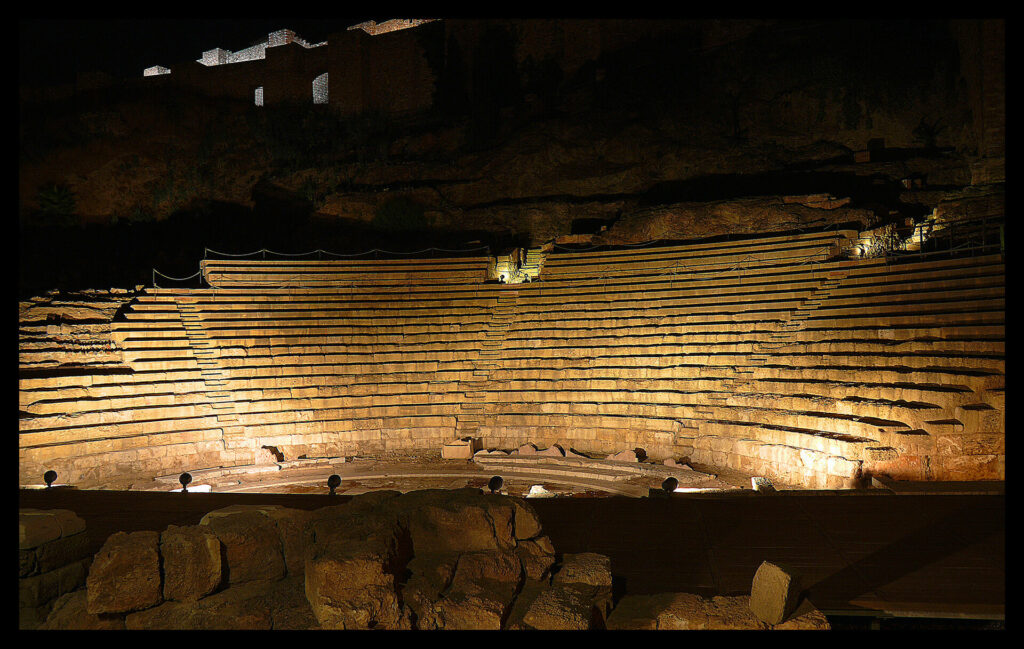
<point>56,201</point>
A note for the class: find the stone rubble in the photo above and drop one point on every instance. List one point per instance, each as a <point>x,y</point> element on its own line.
<point>434,559</point>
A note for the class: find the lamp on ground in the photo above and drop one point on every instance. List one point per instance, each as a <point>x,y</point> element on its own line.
<point>185,479</point>
<point>49,478</point>
<point>333,482</point>
<point>494,484</point>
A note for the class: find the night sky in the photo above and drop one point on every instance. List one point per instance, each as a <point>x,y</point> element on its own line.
<point>55,51</point>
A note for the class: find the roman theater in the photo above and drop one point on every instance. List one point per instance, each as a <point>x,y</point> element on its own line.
<point>606,399</point>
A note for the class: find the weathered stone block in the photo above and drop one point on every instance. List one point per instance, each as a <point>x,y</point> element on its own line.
<point>729,613</point>
<point>62,551</point>
<point>125,574</point>
<point>431,574</point>
<point>502,567</point>
<point>526,521</point>
<point>537,556</point>
<point>191,562</point>
<point>350,572</point>
<point>664,611</point>
<point>559,608</point>
<point>479,609</point>
<point>27,563</point>
<point>43,588</point>
<point>585,568</point>
<point>36,527</point>
<point>775,593</point>
<point>458,520</point>
<point>70,613</point>
<point>252,546</point>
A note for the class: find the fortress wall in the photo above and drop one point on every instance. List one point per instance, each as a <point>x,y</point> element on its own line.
<point>768,355</point>
<point>289,73</point>
<point>398,77</point>
<point>236,81</point>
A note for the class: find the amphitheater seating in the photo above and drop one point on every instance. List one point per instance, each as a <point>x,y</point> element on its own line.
<point>770,355</point>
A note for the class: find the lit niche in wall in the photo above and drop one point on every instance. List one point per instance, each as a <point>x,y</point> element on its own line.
<point>320,89</point>
<point>259,96</point>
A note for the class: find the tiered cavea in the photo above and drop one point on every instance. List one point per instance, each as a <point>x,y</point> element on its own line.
<point>777,356</point>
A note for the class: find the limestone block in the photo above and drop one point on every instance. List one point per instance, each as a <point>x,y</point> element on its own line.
<point>842,467</point>
<point>526,449</point>
<point>191,562</point>
<point>460,449</point>
<point>38,526</point>
<point>559,608</point>
<point>348,575</point>
<point>252,546</point>
<point>458,520</point>
<point>430,575</point>
<point>230,610</point>
<point>775,593</point>
<point>499,566</point>
<point>125,574</point>
<point>295,537</point>
<point>729,613</point>
<point>585,568</point>
<point>552,451</point>
<point>664,611</point>
<point>537,556</point>
<point>27,563</point>
<point>623,456</point>
<point>70,613</point>
<point>43,588</point>
<point>527,523</point>
<point>62,551</point>
<point>481,609</point>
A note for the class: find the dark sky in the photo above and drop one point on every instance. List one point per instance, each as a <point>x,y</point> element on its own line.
<point>54,51</point>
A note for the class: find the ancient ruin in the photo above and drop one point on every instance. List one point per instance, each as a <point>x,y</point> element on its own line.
<point>791,357</point>
<point>456,560</point>
<point>434,269</point>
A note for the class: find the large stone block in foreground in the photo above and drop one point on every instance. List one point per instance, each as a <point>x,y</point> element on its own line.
<point>774,594</point>
<point>252,545</point>
<point>192,562</point>
<point>125,574</point>
<point>350,572</point>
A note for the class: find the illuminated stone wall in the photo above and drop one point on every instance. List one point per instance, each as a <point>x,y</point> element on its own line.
<point>777,356</point>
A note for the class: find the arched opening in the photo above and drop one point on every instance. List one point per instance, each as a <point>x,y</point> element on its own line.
<point>320,89</point>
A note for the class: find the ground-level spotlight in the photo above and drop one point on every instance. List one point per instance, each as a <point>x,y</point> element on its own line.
<point>49,478</point>
<point>333,482</point>
<point>670,484</point>
<point>494,484</point>
<point>185,479</point>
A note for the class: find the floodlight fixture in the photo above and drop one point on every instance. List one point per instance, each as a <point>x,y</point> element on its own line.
<point>494,484</point>
<point>333,482</point>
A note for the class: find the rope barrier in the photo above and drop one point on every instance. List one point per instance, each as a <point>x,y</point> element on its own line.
<point>177,279</point>
<point>174,279</point>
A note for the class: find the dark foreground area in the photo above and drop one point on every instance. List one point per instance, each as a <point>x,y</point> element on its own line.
<point>868,560</point>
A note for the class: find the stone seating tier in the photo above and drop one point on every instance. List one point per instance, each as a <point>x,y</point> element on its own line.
<point>722,354</point>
